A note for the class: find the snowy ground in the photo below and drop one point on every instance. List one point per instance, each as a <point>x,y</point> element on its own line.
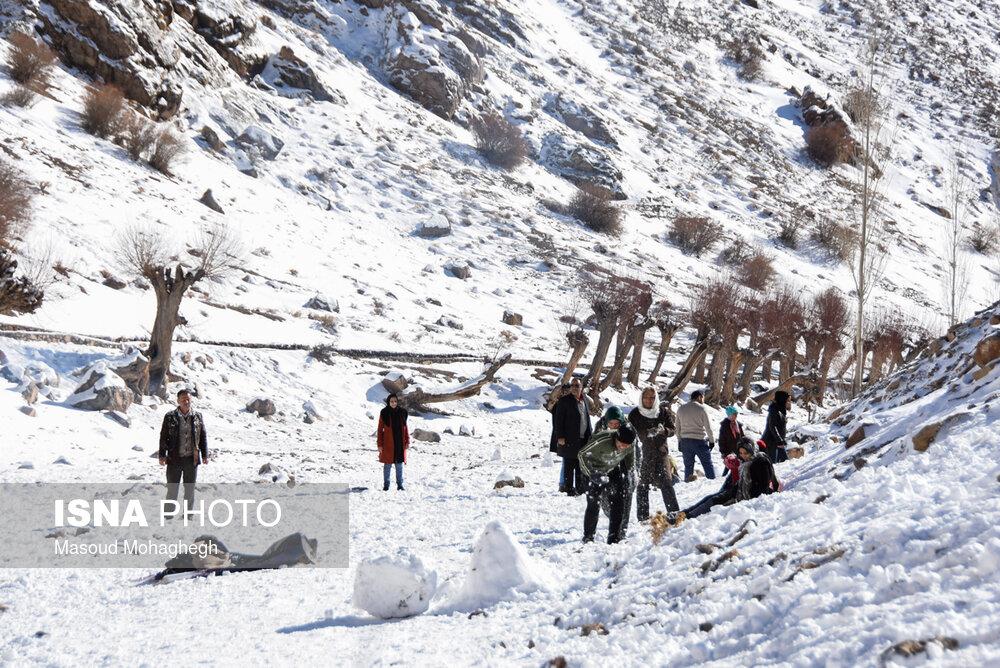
<point>335,214</point>
<point>918,533</point>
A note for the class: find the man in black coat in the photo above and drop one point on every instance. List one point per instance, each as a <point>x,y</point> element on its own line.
<point>183,446</point>
<point>774,432</point>
<point>571,429</point>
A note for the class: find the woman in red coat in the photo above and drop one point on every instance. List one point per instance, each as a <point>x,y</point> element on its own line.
<point>393,440</point>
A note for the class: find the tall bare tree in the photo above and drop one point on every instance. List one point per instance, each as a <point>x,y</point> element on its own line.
<point>867,253</point>
<point>146,252</point>
<point>957,269</point>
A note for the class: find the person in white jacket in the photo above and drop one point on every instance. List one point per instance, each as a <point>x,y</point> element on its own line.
<point>694,435</point>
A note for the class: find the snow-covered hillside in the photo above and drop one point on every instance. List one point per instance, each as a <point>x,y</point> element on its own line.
<point>870,545</point>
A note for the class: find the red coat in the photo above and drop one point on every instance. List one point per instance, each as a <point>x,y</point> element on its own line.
<point>386,444</point>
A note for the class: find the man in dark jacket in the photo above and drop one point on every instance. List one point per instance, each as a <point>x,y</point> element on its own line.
<point>774,432</point>
<point>571,429</point>
<point>183,446</point>
<point>557,394</point>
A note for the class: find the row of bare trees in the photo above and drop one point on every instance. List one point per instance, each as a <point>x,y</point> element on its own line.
<point>739,335</point>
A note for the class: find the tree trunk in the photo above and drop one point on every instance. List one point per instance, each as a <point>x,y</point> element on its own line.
<point>716,373</point>
<point>830,351</point>
<point>735,359</point>
<point>606,331</point>
<point>623,341</point>
<point>695,358</point>
<point>578,341</point>
<point>169,293</point>
<point>767,371</point>
<point>666,334</point>
<point>638,341</point>
<point>756,403</point>
<point>418,398</point>
<point>751,362</point>
<point>699,374</point>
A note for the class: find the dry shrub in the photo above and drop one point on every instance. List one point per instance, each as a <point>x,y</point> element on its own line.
<point>756,273</point>
<point>19,96</point>
<point>829,315</point>
<point>984,239</point>
<point>829,144</point>
<point>31,62</point>
<point>102,110</point>
<point>860,103</point>
<point>737,252</point>
<point>594,207</point>
<point>788,230</point>
<point>782,314</point>
<point>745,51</point>
<point>170,149</point>
<point>15,200</point>
<point>695,235</point>
<point>17,295</point>
<point>499,141</point>
<point>836,238</point>
<point>138,136</point>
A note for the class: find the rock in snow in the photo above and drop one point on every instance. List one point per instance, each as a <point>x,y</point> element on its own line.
<point>388,587</point>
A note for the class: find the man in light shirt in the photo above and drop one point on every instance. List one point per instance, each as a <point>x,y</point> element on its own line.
<point>694,435</point>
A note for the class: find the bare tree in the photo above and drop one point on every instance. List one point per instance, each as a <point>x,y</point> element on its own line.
<point>668,320</point>
<point>145,252</point>
<point>867,254</point>
<point>956,275</point>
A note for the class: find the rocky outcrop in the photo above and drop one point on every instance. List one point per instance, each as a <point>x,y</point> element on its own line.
<point>133,368</point>
<point>229,28</point>
<point>581,164</point>
<point>580,118</point>
<point>290,76</point>
<point>427,60</point>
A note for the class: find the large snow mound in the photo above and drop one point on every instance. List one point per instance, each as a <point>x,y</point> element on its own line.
<point>500,569</point>
<point>388,587</point>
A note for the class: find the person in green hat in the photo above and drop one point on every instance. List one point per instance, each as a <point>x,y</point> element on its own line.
<point>609,461</point>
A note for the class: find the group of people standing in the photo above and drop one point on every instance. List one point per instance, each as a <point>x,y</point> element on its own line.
<point>602,462</point>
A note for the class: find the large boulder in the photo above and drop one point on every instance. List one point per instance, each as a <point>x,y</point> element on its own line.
<point>987,350</point>
<point>429,63</point>
<point>581,164</point>
<point>291,76</point>
<point>263,407</point>
<point>101,390</point>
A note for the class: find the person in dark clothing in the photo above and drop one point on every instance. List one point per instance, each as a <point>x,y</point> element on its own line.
<point>726,494</point>
<point>756,474</point>
<point>557,394</point>
<point>609,461</point>
<point>653,426</point>
<point>183,446</point>
<point>393,439</point>
<point>730,432</point>
<point>774,432</point>
<point>572,431</point>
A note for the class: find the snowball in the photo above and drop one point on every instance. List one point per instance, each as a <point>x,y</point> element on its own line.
<point>500,568</point>
<point>389,587</point>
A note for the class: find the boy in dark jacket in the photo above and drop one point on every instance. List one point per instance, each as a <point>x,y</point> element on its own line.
<point>609,461</point>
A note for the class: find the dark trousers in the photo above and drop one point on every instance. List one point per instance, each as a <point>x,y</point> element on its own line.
<point>776,454</point>
<point>709,502</point>
<point>573,477</point>
<point>654,467</point>
<point>187,470</point>
<point>618,490</point>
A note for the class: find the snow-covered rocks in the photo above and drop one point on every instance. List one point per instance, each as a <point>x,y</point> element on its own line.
<point>508,479</point>
<point>257,141</point>
<point>394,382</point>
<point>389,587</point>
<point>500,569</point>
<point>323,303</point>
<point>101,390</point>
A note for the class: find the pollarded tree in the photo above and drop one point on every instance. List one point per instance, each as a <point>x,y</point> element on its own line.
<point>145,253</point>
